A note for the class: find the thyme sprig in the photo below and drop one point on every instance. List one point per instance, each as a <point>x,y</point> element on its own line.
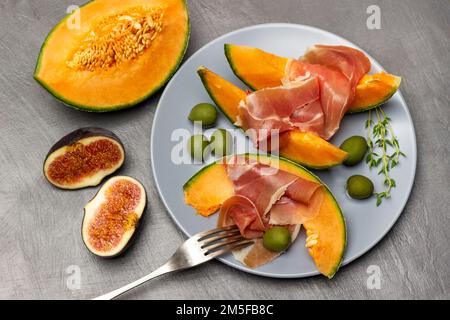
<point>384,150</point>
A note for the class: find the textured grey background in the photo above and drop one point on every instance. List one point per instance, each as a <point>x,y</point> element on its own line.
<point>40,226</point>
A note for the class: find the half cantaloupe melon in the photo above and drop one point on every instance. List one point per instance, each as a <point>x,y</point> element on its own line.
<point>304,148</point>
<point>328,227</point>
<point>259,69</point>
<point>113,54</point>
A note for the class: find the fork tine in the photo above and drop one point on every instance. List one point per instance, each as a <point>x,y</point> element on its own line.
<point>219,236</point>
<point>205,234</point>
<point>230,247</point>
<point>211,245</point>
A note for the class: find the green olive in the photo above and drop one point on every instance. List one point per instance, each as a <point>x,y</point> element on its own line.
<point>205,113</point>
<point>277,239</point>
<point>197,146</point>
<point>221,142</point>
<point>356,147</point>
<point>359,187</point>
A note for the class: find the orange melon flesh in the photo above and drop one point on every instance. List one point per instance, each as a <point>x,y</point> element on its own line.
<point>124,84</point>
<point>224,94</point>
<point>305,148</point>
<point>207,203</point>
<point>256,68</point>
<point>373,90</point>
<point>259,69</point>
<point>329,224</point>
<point>310,149</point>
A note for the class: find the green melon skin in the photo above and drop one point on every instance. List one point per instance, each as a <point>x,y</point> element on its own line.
<point>379,104</point>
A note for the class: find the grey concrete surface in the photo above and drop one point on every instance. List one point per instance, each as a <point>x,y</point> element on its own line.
<point>40,226</point>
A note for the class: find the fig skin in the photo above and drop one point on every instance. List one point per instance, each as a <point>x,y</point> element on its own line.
<point>77,135</point>
<point>137,227</point>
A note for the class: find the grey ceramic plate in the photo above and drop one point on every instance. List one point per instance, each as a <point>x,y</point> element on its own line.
<point>366,223</point>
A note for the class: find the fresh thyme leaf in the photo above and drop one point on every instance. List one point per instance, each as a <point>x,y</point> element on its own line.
<point>380,138</point>
<point>379,199</point>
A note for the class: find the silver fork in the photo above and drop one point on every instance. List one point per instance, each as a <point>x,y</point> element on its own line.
<point>198,249</point>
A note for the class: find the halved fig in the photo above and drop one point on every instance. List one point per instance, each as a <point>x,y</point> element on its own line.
<point>83,158</point>
<point>112,216</point>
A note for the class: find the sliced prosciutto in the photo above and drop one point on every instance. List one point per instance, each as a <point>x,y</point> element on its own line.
<point>335,93</point>
<point>316,93</point>
<point>301,202</point>
<point>241,211</point>
<point>302,190</point>
<point>339,69</point>
<point>288,211</point>
<point>351,62</point>
<point>265,196</point>
<point>276,110</point>
<point>260,183</point>
<point>261,188</point>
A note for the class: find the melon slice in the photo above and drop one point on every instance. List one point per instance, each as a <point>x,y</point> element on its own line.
<point>256,68</point>
<point>328,228</point>
<point>259,69</point>
<point>121,52</point>
<point>374,90</point>
<point>304,148</point>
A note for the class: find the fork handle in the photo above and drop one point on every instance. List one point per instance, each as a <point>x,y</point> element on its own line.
<point>158,272</point>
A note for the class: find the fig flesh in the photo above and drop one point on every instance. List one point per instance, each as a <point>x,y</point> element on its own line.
<point>83,158</point>
<point>112,216</point>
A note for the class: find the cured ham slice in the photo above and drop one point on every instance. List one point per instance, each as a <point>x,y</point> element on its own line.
<point>288,211</point>
<point>302,190</point>
<point>351,62</point>
<point>301,202</point>
<point>282,108</point>
<point>309,118</point>
<point>266,196</point>
<point>335,93</point>
<point>260,183</point>
<point>316,93</point>
<point>339,69</point>
<point>257,255</point>
<point>241,211</point>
